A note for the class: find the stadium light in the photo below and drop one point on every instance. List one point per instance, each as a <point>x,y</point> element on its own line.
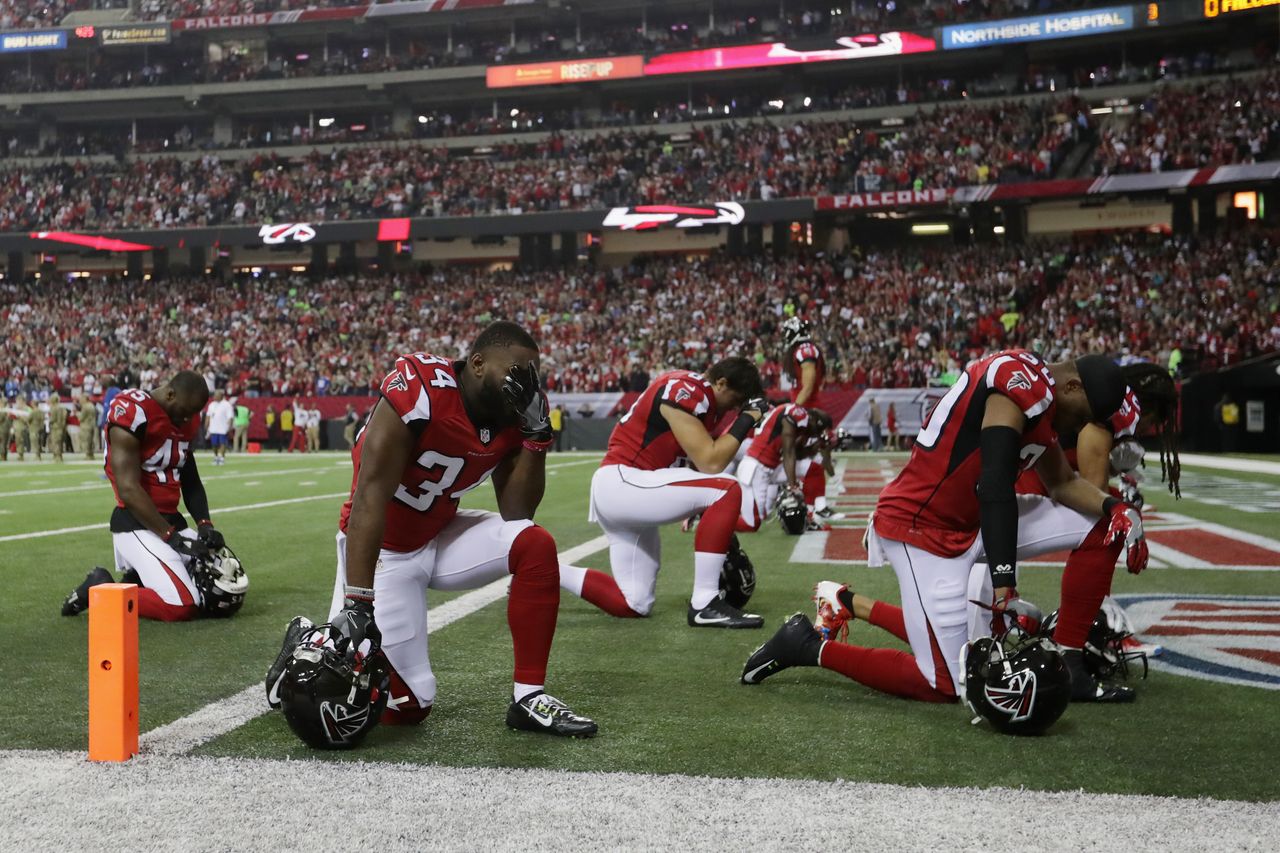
<point>423,119</point>
<point>807,100</point>
<point>930,228</point>
<point>999,229</point>
<point>325,122</point>
<point>1102,111</point>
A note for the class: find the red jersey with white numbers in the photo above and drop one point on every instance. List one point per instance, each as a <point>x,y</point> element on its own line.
<point>807,351</point>
<point>643,438</point>
<point>164,446</point>
<point>451,455</point>
<point>932,503</point>
<point>766,441</point>
<point>1123,424</point>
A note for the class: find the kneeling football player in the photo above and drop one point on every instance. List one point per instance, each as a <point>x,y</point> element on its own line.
<point>783,450</point>
<point>440,429</point>
<point>641,485</point>
<point>182,573</point>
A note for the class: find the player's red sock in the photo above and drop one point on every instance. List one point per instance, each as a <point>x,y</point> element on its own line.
<point>814,484</point>
<point>719,520</point>
<point>1085,582</point>
<point>534,602</point>
<point>152,606</point>
<point>602,590</point>
<point>889,617</point>
<point>887,670</point>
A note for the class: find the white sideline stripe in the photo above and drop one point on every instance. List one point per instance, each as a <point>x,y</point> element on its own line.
<point>227,715</point>
<point>105,484</point>
<point>38,534</point>
<point>56,802</point>
<point>1223,463</point>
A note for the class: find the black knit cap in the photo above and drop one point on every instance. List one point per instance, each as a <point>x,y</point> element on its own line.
<point>1104,385</point>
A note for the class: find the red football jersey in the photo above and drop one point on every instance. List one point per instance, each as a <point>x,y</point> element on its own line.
<point>766,442</point>
<point>807,351</point>
<point>643,438</point>
<point>164,446</point>
<point>451,455</point>
<point>932,504</point>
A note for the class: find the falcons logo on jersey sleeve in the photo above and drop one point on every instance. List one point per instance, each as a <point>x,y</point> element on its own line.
<point>396,382</point>
<point>1018,380</point>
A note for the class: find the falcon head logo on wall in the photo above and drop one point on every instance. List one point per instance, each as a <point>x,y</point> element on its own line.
<point>287,232</point>
<point>646,217</point>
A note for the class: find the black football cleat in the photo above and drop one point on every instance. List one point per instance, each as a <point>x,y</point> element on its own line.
<point>78,601</point>
<point>297,626</point>
<point>542,712</point>
<point>131,576</point>
<point>1086,688</point>
<point>721,614</point>
<point>795,644</point>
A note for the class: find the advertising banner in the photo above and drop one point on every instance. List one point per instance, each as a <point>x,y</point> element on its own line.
<point>1090,22</point>
<point>263,19</point>
<point>781,53</point>
<point>130,34</point>
<point>576,71</point>
<point>1214,8</point>
<point>419,7</point>
<point>889,198</point>
<point>33,40</point>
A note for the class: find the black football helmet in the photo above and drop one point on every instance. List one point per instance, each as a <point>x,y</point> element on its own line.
<point>221,581</point>
<point>795,330</point>
<point>331,699</point>
<point>737,576</point>
<point>1020,684</point>
<point>792,513</point>
<point>1105,656</point>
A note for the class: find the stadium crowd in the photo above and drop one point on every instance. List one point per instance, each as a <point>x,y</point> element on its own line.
<point>861,16</point>
<point>944,146</point>
<point>886,318</point>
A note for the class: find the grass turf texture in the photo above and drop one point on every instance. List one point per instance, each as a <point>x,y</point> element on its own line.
<point>667,696</point>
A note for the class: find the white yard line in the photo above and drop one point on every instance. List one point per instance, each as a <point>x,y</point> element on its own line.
<point>57,801</point>
<point>104,484</point>
<point>226,715</point>
<point>1223,463</point>
<point>39,534</point>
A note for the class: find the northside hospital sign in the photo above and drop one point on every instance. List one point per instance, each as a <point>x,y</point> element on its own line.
<point>1038,28</point>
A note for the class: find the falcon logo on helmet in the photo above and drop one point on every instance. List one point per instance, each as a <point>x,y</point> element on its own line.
<point>1016,697</point>
<point>737,576</point>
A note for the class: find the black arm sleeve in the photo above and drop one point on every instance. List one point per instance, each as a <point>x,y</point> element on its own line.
<point>193,495</point>
<point>997,504</point>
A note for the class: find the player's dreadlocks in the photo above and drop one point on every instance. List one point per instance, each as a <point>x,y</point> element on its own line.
<point>1157,394</point>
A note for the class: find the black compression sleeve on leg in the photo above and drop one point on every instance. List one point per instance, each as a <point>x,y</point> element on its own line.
<point>997,504</point>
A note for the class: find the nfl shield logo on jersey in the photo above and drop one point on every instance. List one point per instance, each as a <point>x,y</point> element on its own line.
<point>484,435</point>
<point>1229,638</point>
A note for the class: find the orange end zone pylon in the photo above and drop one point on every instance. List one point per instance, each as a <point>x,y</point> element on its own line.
<point>113,672</point>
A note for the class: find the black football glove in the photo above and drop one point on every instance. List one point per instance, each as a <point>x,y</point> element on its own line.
<point>756,404</point>
<point>210,536</point>
<point>521,388</point>
<point>188,548</point>
<point>355,623</point>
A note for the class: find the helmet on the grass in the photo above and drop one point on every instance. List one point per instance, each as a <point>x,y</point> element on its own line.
<point>221,581</point>
<point>332,698</point>
<point>1021,685</point>
<point>792,513</point>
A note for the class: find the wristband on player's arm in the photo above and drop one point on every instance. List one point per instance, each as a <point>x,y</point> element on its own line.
<point>997,502</point>
<point>742,425</point>
<point>357,594</point>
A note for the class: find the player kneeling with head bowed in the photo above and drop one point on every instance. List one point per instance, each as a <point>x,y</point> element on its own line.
<point>182,573</point>
<point>1001,416</point>
<point>783,449</point>
<point>642,484</point>
<point>439,430</point>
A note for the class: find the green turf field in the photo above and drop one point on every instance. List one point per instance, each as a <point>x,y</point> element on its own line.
<point>666,696</point>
